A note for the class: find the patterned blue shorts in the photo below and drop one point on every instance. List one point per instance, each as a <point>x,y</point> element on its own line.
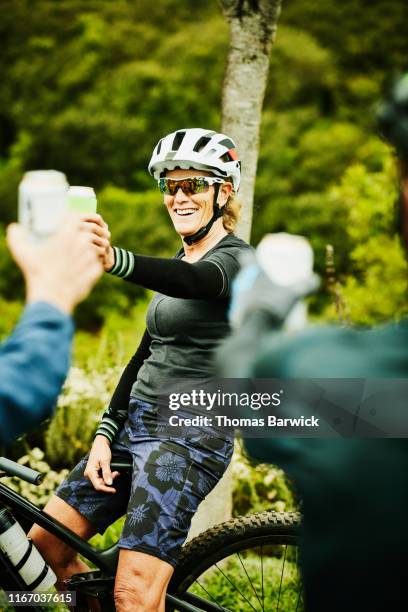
<point>169,480</point>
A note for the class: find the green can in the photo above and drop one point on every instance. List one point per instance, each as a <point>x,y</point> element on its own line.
<point>82,200</point>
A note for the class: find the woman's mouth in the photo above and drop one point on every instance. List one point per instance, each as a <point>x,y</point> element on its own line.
<point>185,212</point>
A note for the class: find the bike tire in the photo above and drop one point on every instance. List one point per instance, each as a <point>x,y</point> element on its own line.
<point>241,536</point>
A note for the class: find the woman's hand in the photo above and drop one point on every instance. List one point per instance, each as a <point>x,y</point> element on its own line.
<point>100,236</point>
<point>60,270</point>
<point>99,461</point>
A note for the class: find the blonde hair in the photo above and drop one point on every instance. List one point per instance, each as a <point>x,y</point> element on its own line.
<point>231,213</point>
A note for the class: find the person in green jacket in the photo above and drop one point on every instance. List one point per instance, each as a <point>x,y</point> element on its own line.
<point>354,491</point>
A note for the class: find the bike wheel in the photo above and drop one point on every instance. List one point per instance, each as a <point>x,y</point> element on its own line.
<point>248,564</point>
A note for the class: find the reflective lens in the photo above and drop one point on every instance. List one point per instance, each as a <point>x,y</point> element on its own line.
<point>189,186</point>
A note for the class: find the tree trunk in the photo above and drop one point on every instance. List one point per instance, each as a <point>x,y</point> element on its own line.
<point>253,25</point>
<point>252,32</point>
<point>216,507</point>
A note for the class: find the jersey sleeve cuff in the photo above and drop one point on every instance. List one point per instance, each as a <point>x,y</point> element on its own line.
<point>124,263</point>
<point>108,428</point>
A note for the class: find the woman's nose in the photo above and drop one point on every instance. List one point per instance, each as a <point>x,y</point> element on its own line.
<point>180,195</point>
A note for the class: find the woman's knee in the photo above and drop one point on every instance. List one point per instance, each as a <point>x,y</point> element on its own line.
<point>141,582</point>
<point>136,594</point>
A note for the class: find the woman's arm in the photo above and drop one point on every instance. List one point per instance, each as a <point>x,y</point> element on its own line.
<point>117,412</point>
<point>172,277</point>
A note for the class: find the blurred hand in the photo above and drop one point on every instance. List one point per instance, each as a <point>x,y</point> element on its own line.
<point>100,236</point>
<point>273,279</point>
<point>98,467</point>
<point>62,270</point>
<point>287,259</point>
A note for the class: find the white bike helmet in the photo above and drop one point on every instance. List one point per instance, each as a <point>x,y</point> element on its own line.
<point>196,148</point>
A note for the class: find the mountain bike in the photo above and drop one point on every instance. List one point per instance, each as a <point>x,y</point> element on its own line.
<point>246,564</point>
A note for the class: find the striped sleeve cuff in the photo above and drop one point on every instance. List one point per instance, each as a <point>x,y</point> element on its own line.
<point>124,263</point>
<point>108,428</point>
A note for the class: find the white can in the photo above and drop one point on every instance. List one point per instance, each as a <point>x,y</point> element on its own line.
<point>42,201</point>
<point>81,199</point>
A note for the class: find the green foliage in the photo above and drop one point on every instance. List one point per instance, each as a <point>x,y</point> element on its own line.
<point>85,397</point>
<point>258,487</point>
<point>114,344</point>
<point>298,79</point>
<point>112,89</point>
<point>11,282</point>
<point>10,176</point>
<point>37,494</point>
<point>364,42</point>
<point>9,314</point>
<point>375,288</point>
<point>123,74</point>
<point>138,221</point>
<point>110,537</point>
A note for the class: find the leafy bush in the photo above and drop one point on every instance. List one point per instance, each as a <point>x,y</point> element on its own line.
<point>375,287</point>
<point>111,535</point>
<point>115,343</point>
<point>85,396</point>
<point>258,487</point>
<point>113,89</point>
<point>10,314</point>
<point>11,281</point>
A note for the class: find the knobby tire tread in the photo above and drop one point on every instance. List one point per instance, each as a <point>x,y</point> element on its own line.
<point>201,552</point>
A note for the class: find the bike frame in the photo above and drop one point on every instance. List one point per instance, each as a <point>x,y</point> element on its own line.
<point>105,560</point>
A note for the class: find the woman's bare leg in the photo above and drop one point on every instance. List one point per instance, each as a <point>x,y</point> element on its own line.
<point>63,559</point>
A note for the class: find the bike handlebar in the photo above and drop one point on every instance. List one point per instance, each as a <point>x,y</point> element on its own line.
<point>21,471</point>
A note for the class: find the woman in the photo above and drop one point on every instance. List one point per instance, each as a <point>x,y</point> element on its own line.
<point>197,171</point>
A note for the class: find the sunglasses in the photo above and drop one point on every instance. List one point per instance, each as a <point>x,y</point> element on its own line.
<point>189,186</point>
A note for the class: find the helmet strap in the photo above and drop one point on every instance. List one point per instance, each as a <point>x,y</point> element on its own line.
<point>203,231</point>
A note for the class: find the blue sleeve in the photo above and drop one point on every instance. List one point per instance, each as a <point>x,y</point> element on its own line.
<point>34,362</point>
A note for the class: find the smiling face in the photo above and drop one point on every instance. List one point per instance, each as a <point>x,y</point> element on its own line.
<point>189,213</point>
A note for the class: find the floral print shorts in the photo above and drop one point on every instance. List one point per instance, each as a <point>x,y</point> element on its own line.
<point>170,477</point>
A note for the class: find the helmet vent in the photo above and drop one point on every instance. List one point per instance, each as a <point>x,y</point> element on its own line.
<point>159,146</point>
<point>178,139</point>
<point>226,157</point>
<point>201,143</point>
